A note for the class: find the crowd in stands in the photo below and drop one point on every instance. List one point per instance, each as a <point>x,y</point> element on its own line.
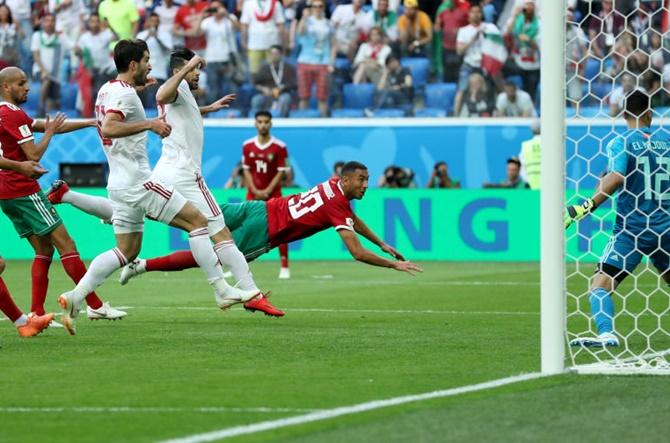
<point>341,58</point>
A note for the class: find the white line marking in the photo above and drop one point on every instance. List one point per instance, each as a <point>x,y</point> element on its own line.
<point>132,409</point>
<point>348,410</point>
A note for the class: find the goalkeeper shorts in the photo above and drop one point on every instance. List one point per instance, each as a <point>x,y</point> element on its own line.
<point>624,252</point>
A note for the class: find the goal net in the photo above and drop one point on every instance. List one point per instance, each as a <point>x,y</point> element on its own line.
<point>609,55</point>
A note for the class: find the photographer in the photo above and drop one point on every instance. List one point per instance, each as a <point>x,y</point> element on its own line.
<point>397,177</point>
<point>440,178</point>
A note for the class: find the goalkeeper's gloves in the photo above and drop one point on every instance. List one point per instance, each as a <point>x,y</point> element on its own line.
<point>575,213</point>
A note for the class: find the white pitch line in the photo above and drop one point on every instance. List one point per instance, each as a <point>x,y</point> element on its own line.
<point>157,409</point>
<point>347,410</point>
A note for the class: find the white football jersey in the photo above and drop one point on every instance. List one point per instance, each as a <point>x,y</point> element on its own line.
<point>183,148</point>
<point>127,156</point>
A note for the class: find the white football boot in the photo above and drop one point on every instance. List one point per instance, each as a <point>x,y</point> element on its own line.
<point>284,274</point>
<point>132,269</point>
<point>228,296</point>
<point>105,312</point>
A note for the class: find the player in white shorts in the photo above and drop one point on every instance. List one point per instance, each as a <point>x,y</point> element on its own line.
<point>181,159</point>
<point>134,194</point>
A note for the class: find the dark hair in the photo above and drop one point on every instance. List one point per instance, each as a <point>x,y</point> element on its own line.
<point>353,166</point>
<point>263,113</point>
<point>390,58</point>
<point>510,83</point>
<point>10,19</point>
<point>153,14</point>
<point>478,6</point>
<point>514,160</point>
<point>180,57</point>
<point>93,14</point>
<point>127,51</point>
<point>279,48</point>
<point>637,104</point>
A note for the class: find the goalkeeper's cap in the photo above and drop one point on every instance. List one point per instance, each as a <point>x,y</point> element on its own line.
<point>637,103</point>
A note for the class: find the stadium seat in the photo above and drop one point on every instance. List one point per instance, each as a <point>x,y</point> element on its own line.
<point>441,96</point>
<point>358,96</point>
<point>34,96</point>
<point>225,113</point>
<point>68,95</point>
<point>389,113</point>
<point>570,112</point>
<point>304,113</point>
<point>342,63</point>
<point>600,89</point>
<point>244,95</point>
<point>593,111</point>
<point>430,112</point>
<point>419,67</point>
<point>592,69</point>
<point>516,79</point>
<point>347,113</point>
<point>70,113</point>
<point>151,112</point>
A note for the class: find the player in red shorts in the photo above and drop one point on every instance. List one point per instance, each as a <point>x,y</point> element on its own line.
<point>264,162</point>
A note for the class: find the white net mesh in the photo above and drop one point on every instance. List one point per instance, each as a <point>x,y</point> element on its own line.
<point>609,55</point>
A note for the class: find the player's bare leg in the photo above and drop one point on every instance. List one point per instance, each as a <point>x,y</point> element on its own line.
<point>100,207</point>
<point>602,312</point>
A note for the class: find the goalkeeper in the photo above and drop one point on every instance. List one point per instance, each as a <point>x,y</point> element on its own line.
<point>639,168</point>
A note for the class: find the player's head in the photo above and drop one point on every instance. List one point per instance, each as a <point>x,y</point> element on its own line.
<point>263,122</point>
<point>14,85</point>
<point>354,180</point>
<point>132,57</point>
<point>178,59</point>
<point>638,109</point>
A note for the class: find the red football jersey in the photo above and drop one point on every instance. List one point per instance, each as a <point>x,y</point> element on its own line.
<point>263,162</point>
<point>15,128</point>
<point>298,216</point>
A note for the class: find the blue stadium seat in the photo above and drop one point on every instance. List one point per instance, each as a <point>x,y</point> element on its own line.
<point>68,95</point>
<point>592,69</point>
<point>593,111</point>
<point>244,95</point>
<point>304,113</point>
<point>358,96</point>
<point>516,79</point>
<point>225,113</point>
<point>389,113</point>
<point>70,113</point>
<point>570,112</point>
<point>342,63</point>
<point>441,96</point>
<point>600,89</point>
<point>151,112</point>
<point>347,113</point>
<point>34,96</point>
<point>419,67</point>
<point>430,112</point>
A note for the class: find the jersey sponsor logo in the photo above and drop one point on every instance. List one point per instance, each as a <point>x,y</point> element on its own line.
<point>25,131</point>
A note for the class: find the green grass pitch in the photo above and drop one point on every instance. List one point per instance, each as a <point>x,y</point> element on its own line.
<point>177,366</point>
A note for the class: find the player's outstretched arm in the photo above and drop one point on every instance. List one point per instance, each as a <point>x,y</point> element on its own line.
<point>35,151</point>
<point>39,125</point>
<point>113,126</point>
<point>167,93</point>
<point>361,228</point>
<point>222,103</point>
<point>363,255</point>
<point>608,185</point>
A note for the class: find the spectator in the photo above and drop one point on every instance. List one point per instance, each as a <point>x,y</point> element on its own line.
<point>397,177</point>
<point>575,48</point>
<point>618,94</point>
<point>656,51</point>
<point>317,55</point>
<point>167,12</point>
<point>236,179</point>
<point>531,157</point>
<point>416,31</point>
<point>70,16</point>
<point>262,27</point>
<point>21,14</point>
<point>627,57</point>
<point>93,48</point>
<point>160,46</point>
<point>448,22</point>
<point>391,4</point>
<point>10,38</point>
<point>337,169</point>
<point>299,6</point>
<point>469,45</point>
<point>603,29</point>
<point>659,97</point>
<point>351,24</point>
<point>371,58</point>
<point>524,29</point>
<point>476,100</point>
<point>514,103</point>
<point>513,179</point>
<point>185,21</point>
<point>276,83</point>
<point>439,178</point>
<point>387,20</point>
<point>121,16</point>
<point>395,86</point>
<point>219,28</point>
<point>49,49</point>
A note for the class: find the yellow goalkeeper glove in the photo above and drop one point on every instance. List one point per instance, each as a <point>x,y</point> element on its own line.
<point>575,213</point>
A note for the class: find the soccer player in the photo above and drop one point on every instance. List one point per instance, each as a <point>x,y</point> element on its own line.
<point>638,169</point>
<point>133,192</point>
<point>264,163</point>
<point>259,226</point>
<point>26,205</point>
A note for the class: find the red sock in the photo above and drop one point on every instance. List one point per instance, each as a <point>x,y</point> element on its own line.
<point>177,261</point>
<point>7,305</point>
<point>283,255</point>
<point>40,276</point>
<point>75,268</point>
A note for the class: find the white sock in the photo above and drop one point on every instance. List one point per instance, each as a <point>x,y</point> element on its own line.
<point>90,204</point>
<point>204,255</point>
<point>101,267</point>
<point>21,320</point>
<point>230,256</point>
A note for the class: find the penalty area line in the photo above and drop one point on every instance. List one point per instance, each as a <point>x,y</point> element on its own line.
<point>348,410</point>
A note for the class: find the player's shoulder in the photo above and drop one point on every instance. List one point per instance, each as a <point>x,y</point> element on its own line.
<point>278,143</point>
<point>249,142</point>
<point>118,88</point>
<point>10,108</point>
<point>618,143</point>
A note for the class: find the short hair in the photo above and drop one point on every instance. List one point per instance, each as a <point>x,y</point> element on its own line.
<point>510,83</point>
<point>353,166</point>
<point>127,51</point>
<point>637,103</point>
<point>279,48</point>
<point>263,113</point>
<point>390,58</point>
<point>179,57</point>
<point>478,6</point>
<point>153,14</point>
<point>514,160</point>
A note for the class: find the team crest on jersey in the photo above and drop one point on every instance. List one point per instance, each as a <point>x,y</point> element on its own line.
<point>252,155</point>
<point>270,157</point>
